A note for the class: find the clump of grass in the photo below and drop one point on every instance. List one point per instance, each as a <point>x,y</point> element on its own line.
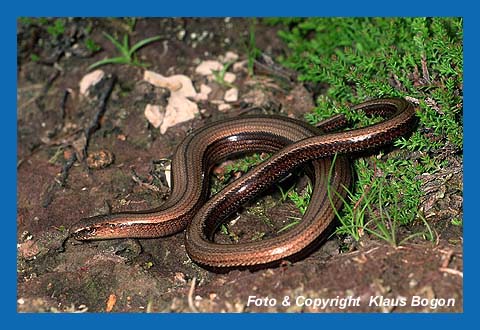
<point>92,45</point>
<point>244,164</point>
<point>376,212</point>
<point>54,27</point>
<point>420,59</point>
<point>241,165</point>
<point>300,199</point>
<point>52,31</point>
<point>57,28</point>
<point>127,53</point>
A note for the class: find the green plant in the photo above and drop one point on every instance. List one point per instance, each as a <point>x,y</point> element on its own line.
<point>53,26</point>
<point>131,22</point>
<point>375,211</point>
<point>92,45</point>
<point>386,223</point>
<point>420,59</point>
<point>456,222</point>
<point>127,53</point>
<point>252,50</point>
<point>295,222</point>
<point>301,200</point>
<point>243,165</point>
<point>58,28</point>
<point>219,75</point>
<point>33,20</point>
<point>34,57</point>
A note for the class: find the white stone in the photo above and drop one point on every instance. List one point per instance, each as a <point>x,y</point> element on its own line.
<point>154,115</point>
<point>179,110</point>
<point>206,68</point>
<point>205,90</point>
<point>231,95</point>
<point>230,57</point>
<point>176,83</point>
<point>224,107</point>
<point>229,77</point>
<point>90,80</point>
<point>239,66</point>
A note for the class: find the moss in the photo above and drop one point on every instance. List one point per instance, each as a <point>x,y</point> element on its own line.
<point>362,58</point>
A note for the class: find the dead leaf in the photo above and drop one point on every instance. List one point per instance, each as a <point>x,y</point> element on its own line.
<point>112,299</point>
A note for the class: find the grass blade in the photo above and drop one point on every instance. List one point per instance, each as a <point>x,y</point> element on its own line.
<point>142,43</point>
<point>114,60</point>
<point>117,44</point>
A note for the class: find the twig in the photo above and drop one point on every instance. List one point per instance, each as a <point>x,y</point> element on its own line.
<point>190,296</point>
<point>426,74</point>
<point>63,104</point>
<point>265,64</point>
<point>136,178</point>
<point>451,271</point>
<point>102,107</point>
<point>59,180</point>
<point>448,257</point>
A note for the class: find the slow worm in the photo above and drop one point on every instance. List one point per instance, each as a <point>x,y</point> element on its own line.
<point>294,143</point>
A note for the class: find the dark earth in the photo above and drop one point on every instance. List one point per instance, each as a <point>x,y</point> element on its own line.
<point>58,184</point>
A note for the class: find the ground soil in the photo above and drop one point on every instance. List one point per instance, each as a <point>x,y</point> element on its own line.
<point>56,273</point>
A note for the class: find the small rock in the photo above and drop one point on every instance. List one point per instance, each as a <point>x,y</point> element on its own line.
<point>176,83</point>
<point>121,137</point>
<point>205,90</point>
<point>179,110</point>
<point>231,95</point>
<point>158,80</point>
<point>239,66</point>
<point>99,159</point>
<point>256,97</point>
<point>154,115</point>
<point>180,278</point>
<point>224,107</point>
<point>28,250</point>
<point>181,34</point>
<point>230,57</point>
<point>413,283</point>
<point>90,80</point>
<point>229,77</point>
<point>206,68</point>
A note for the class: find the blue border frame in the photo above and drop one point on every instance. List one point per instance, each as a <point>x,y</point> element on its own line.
<point>241,8</point>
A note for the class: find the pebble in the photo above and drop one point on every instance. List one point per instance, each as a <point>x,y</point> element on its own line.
<point>229,77</point>
<point>206,68</point>
<point>90,80</point>
<point>179,109</point>
<point>231,95</point>
<point>224,107</point>
<point>154,115</point>
<point>205,90</point>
